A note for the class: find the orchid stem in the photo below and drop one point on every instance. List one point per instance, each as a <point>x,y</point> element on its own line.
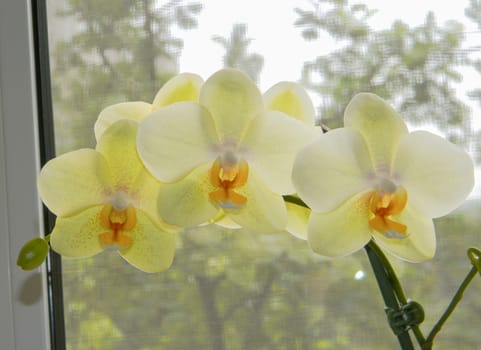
<point>396,285</point>
<point>393,294</point>
<point>428,344</point>
<point>389,285</point>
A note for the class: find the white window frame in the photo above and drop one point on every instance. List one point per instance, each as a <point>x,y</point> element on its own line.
<point>23,295</point>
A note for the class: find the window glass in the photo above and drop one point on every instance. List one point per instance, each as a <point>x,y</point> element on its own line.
<point>238,289</point>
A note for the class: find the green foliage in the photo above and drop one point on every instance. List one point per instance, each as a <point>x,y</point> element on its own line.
<point>473,12</point>
<point>236,52</point>
<point>412,67</point>
<point>119,51</point>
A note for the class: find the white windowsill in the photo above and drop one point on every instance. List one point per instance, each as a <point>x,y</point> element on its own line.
<point>23,298</point>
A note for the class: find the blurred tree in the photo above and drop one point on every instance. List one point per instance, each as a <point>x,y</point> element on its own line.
<point>473,12</point>
<point>236,52</point>
<point>412,67</point>
<point>119,51</point>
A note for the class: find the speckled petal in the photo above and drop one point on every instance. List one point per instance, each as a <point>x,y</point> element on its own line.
<point>153,249</point>
<point>78,235</point>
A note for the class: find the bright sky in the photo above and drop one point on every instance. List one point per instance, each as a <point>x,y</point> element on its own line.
<point>270,25</point>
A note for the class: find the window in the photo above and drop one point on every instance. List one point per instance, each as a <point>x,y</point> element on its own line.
<point>229,290</point>
<point>23,295</point>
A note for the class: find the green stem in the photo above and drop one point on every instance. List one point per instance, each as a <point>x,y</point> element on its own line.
<point>428,344</point>
<point>419,335</point>
<point>393,293</point>
<point>386,282</point>
<point>396,285</point>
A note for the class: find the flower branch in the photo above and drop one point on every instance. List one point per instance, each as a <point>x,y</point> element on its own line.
<point>475,258</point>
<point>221,152</point>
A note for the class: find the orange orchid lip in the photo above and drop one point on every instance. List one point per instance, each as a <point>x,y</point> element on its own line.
<point>227,177</point>
<point>385,204</point>
<point>117,221</point>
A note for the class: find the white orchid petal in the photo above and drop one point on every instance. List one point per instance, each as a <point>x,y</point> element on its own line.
<point>182,87</point>
<point>292,99</point>
<point>437,174</point>
<point>272,141</point>
<point>118,146</point>
<point>233,100</point>
<point>332,169</point>
<point>135,111</point>
<point>264,210</point>
<point>342,231</point>
<point>175,139</point>
<point>74,181</point>
<point>380,125</point>
<point>420,242</point>
<point>297,219</point>
<point>186,202</point>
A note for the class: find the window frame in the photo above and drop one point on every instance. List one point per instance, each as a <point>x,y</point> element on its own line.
<point>31,308</point>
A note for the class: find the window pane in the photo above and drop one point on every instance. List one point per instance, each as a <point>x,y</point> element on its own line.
<point>238,289</point>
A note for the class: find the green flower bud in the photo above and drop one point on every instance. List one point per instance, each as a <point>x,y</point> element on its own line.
<point>33,254</point>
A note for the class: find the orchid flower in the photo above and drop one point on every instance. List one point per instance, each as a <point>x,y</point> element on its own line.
<point>182,87</point>
<point>226,154</point>
<point>291,99</point>
<point>374,179</point>
<point>105,197</point>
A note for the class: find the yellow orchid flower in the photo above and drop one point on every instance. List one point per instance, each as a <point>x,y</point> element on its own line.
<point>292,99</point>
<point>374,179</point>
<point>226,153</point>
<point>182,87</point>
<point>105,197</point>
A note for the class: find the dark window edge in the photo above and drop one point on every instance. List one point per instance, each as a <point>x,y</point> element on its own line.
<point>47,151</point>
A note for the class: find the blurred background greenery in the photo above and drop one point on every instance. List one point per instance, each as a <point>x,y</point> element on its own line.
<point>237,289</point>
